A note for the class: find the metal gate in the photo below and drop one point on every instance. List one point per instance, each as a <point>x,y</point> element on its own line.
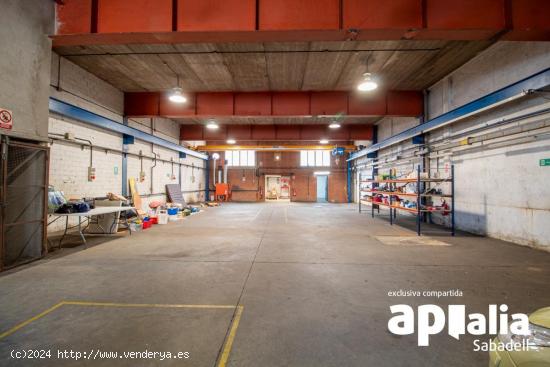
<point>23,202</point>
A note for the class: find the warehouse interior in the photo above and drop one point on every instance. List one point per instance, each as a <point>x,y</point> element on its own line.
<point>246,182</point>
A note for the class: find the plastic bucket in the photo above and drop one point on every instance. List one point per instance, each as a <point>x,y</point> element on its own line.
<point>172,211</point>
<point>162,218</point>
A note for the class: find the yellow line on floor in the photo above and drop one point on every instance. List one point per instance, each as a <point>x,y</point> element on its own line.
<point>26,322</point>
<point>231,337</point>
<point>110,304</point>
<point>226,348</point>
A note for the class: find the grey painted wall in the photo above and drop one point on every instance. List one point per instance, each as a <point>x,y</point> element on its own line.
<point>25,65</point>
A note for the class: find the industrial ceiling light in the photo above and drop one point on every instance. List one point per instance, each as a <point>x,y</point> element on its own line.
<point>368,83</point>
<point>323,141</point>
<point>212,125</point>
<point>215,156</point>
<point>176,95</point>
<point>334,125</point>
<point>231,141</point>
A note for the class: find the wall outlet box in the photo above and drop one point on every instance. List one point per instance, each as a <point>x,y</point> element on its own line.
<point>141,176</point>
<point>91,174</point>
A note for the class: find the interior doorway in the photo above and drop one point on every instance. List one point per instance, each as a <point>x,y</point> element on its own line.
<point>277,188</point>
<point>322,188</point>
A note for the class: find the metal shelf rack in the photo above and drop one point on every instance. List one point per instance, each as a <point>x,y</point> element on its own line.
<point>419,197</point>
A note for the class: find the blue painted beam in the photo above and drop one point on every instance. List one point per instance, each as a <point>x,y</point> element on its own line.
<point>349,179</point>
<point>207,180</point>
<point>534,82</point>
<point>125,141</point>
<point>80,114</point>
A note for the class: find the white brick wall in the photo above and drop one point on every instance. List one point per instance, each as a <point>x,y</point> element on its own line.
<point>69,162</point>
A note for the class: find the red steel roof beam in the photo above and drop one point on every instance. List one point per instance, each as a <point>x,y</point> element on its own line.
<point>88,22</point>
<point>289,104</point>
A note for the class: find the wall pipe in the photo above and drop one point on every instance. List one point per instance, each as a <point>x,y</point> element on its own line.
<point>476,142</point>
<point>486,126</point>
<point>95,146</point>
<point>80,114</point>
<point>90,144</point>
<point>505,95</point>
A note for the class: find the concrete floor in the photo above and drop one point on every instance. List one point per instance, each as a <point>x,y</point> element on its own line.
<point>312,278</point>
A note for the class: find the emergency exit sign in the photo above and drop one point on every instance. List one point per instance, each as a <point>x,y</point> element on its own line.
<point>544,162</point>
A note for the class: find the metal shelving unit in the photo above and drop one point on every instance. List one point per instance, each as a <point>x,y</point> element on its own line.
<point>419,197</point>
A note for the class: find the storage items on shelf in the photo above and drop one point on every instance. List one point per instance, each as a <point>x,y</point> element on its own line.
<point>417,194</point>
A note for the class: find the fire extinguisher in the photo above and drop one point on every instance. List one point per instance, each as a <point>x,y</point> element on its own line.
<point>293,192</point>
<point>261,193</point>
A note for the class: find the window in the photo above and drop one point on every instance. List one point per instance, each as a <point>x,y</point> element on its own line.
<point>315,158</point>
<point>240,158</point>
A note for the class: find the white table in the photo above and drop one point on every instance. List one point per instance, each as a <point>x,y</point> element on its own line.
<point>96,211</point>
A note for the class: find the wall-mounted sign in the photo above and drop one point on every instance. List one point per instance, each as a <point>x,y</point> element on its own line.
<point>6,119</point>
<point>544,162</point>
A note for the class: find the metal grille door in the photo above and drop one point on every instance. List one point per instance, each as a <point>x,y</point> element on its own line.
<point>24,181</point>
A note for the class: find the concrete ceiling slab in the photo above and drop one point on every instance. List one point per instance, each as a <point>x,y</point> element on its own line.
<point>297,66</point>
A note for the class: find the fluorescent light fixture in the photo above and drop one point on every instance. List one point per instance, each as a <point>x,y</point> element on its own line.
<point>334,125</point>
<point>323,141</point>
<point>231,141</point>
<point>368,84</point>
<point>321,173</point>
<point>177,96</point>
<point>212,125</point>
<point>215,156</point>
